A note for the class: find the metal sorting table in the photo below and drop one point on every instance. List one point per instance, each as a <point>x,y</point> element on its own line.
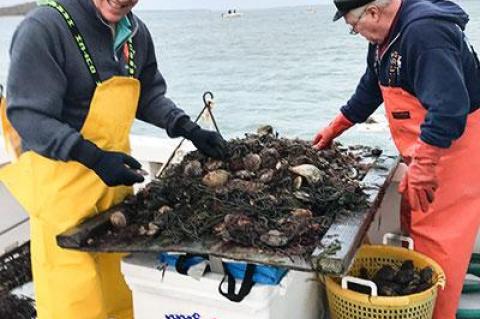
<point>333,255</point>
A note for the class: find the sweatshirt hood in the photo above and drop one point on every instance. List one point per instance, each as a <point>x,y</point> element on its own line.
<point>414,10</point>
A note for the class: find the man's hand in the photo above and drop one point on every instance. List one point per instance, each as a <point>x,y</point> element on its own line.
<point>116,168</point>
<point>209,143</point>
<point>324,138</point>
<point>420,182</point>
<point>113,168</point>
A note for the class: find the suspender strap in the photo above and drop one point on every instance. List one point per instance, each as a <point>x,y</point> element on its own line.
<point>79,40</point>
<point>82,45</point>
<point>132,67</point>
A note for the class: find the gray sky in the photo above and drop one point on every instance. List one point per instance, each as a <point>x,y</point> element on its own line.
<point>206,4</point>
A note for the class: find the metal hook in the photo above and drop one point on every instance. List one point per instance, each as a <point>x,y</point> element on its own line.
<point>208,106</point>
<point>205,101</point>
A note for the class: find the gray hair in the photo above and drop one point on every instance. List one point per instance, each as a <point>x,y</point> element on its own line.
<point>378,3</point>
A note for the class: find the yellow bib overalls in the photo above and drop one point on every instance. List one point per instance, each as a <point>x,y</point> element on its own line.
<point>59,195</point>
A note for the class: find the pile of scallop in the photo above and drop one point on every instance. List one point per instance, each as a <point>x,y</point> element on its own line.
<point>268,193</point>
<point>396,280</point>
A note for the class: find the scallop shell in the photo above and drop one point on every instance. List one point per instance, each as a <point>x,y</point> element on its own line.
<point>297,182</point>
<point>252,162</point>
<point>142,231</point>
<point>353,173</point>
<point>267,176</point>
<point>244,174</point>
<point>165,210</point>
<point>269,157</point>
<point>153,229</point>
<point>310,172</point>
<point>118,219</point>
<point>244,186</point>
<point>193,169</point>
<point>265,130</point>
<point>302,213</point>
<point>281,164</point>
<point>216,178</point>
<point>160,217</point>
<point>274,238</point>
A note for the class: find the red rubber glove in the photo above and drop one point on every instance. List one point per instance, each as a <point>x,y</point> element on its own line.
<point>420,182</point>
<point>325,137</point>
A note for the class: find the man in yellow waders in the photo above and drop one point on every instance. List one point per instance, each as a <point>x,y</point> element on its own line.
<point>81,71</point>
<point>422,67</point>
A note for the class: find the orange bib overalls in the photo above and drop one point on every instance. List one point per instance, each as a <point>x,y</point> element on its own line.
<point>447,232</point>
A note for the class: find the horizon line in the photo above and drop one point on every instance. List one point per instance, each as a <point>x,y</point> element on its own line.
<point>237,8</point>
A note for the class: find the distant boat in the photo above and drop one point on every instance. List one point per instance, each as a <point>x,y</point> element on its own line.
<point>311,10</point>
<point>231,14</point>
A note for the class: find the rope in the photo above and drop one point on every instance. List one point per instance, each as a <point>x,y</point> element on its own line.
<point>208,104</point>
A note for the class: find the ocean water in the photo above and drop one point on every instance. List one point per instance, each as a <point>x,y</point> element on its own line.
<point>292,68</point>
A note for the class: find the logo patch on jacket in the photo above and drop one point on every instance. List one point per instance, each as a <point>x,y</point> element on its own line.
<point>401,115</point>
<point>394,68</point>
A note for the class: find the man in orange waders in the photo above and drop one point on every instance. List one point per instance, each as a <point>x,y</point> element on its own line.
<point>422,67</point>
<point>81,71</point>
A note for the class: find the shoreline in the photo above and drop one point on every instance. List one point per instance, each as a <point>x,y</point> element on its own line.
<point>17,10</point>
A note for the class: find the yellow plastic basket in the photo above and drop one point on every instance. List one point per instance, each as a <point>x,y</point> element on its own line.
<point>348,304</point>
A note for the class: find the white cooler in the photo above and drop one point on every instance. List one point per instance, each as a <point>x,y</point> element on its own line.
<point>169,295</point>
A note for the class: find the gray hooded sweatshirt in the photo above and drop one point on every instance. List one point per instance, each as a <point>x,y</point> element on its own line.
<point>50,88</point>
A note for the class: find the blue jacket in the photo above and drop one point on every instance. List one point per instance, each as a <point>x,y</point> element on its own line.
<point>50,89</point>
<point>437,66</point>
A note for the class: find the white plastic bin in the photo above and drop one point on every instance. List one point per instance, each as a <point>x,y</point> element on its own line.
<point>170,295</point>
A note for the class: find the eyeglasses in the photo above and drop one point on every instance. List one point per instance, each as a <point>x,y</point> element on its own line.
<point>353,27</point>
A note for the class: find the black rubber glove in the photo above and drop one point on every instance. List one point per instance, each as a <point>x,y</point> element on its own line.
<point>114,168</point>
<point>208,142</point>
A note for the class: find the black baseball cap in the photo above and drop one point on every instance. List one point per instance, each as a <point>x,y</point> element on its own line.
<point>343,6</point>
